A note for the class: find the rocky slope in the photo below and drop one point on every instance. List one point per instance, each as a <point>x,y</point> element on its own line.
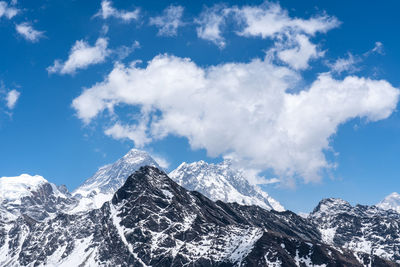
<point>222,182</point>
<point>33,196</point>
<point>366,229</point>
<point>152,221</point>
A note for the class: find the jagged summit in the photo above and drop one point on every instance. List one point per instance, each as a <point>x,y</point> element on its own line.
<point>222,182</point>
<point>328,205</point>
<point>108,179</point>
<point>391,202</point>
<point>361,228</point>
<point>112,176</point>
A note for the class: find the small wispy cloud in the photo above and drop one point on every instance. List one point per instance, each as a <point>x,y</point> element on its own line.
<point>347,64</point>
<point>163,162</point>
<point>378,49</point>
<point>108,11</point>
<point>81,56</point>
<point>7,11</point>
<point>124,51</point>
<point>169,22</point>
<point>12,98</point>
<point>27,31</point>
<point>210,23</point>
<point>350,63</point>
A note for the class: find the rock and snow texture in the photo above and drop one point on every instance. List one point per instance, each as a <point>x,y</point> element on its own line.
<point>365,229</point>
<point>391,202</point>
<point>33,196</point>
<point>108,179</point>
<point>152,221</point>
<point>222,182</point>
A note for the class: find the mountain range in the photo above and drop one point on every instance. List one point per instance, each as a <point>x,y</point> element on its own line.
<point>131,213</point>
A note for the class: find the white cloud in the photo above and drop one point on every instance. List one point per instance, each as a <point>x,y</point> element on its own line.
<point>268,20</point>
<point>137,133</point>
<point>81,56</point>
<point>298,53</point>
<point>272,181</point>
<point>163,162</point>
<point>7,11</point>
<point>12,98</point>
<point>210,22</point>
<point>169,22</point>
<point>107,11</point>
<point>378,48</point>
<point>244,110</point>
<point>124,51</point>
<point>345,64</point>
<point>28,32</point>
<point>349,63</point>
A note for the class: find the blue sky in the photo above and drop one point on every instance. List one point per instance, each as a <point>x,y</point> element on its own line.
<point>312,103</point>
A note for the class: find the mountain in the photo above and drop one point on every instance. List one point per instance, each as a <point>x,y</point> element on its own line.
<point>108,179</point>
<point>222,182</point>
<point>152,221</point>
<point>392,202</point>
<point>33,196</point>
<point>366,229</point>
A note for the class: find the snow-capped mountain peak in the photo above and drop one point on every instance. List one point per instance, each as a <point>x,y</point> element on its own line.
<point>222,182</point>
<point>391,202</point>
<point>14,188</point>
<point>108,179</point>
<point>33,196</point>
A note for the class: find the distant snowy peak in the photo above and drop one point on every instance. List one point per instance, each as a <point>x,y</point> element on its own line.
<point>14,188</point>
<point>108,179</point>
<point>222,182</point>
<point>33,196</point>
<point>391,202</point>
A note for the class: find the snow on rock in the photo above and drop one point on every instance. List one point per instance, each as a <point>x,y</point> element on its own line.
<point>14,188</point>
<point>222,182</point>
<point>108,179</point>
<point>152,221</point>
<point>33,196</point>
<point>365,229</point>
<point>391,202</point>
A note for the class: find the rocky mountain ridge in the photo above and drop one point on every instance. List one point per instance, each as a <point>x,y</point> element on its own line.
<point>148,219</point>
<point>152,221</point>
<point>367,229</point>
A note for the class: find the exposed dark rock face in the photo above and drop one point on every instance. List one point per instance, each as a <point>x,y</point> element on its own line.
<point>366,229</point>
<point>152,221</point>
